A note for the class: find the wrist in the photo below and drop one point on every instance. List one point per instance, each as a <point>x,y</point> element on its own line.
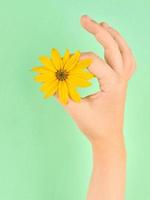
<point>109,146</point>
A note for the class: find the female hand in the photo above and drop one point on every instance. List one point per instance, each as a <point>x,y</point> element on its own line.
<point>100,115</point>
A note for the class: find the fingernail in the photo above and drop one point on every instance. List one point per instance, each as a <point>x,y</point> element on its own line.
<point>86,16</point>
<point>105,24</point>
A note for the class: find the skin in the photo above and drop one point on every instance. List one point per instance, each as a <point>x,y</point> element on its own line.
<point>100,116</point>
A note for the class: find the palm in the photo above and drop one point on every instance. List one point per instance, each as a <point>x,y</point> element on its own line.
<point>96,106</point>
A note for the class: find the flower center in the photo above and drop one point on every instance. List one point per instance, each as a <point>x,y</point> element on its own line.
<point>61,74</point>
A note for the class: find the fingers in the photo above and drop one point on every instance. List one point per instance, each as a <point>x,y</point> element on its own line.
<point>98,67</point>
<point>127,56</point>
<point>112,53</point>
<point>103,72</point>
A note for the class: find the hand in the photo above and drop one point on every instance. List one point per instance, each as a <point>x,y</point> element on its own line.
<point>100,115</point>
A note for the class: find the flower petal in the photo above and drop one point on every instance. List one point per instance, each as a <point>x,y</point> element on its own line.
<point>63,92</point>
<point>82,64</point>
<point>41,70</point>
<point>72,61</point>
<point>56,59</point>
<point>77,81</point>
<point>66,56</point>
<point>81,74</point>
<point>51,89</point>
<point>74,95</point>
<point>47,85</point>
<point>47,62</point>
<point>44,77</point>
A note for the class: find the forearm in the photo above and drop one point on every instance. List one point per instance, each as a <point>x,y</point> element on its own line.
<point>109,166</point>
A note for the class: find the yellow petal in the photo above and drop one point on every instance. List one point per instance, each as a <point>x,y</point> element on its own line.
<point>63,92</point>
<point>51,90</point>
<point>72,61</point>
<point>47,85</point>
<point>77,81</point>
<point>44,77</point>
<point>74,95</point>
<point>81,74</point>
<point>56,59</point>
<point>66,56</point>
<point>82,64</point>
<point>47,62</point>
<point>41,70</point>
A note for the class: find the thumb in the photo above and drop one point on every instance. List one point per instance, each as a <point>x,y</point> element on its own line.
<point>99,68</point>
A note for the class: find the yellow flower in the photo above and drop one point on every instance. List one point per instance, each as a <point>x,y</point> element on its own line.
<point>62,75</point>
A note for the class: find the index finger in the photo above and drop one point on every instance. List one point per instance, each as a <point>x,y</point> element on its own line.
<point>112,53</point>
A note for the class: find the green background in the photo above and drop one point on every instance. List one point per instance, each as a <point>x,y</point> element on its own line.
<point>43,155</point>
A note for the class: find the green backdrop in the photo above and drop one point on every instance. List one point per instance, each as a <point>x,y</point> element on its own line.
<point>43,155</point>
